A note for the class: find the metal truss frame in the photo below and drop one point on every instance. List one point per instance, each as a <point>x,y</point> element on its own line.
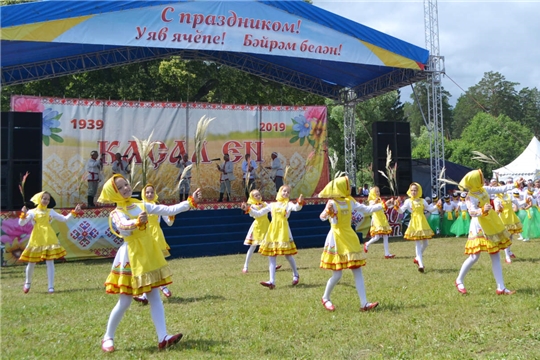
<point>434,92</point>
<point>349,134</point>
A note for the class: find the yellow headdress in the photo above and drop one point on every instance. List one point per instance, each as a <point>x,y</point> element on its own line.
<point>278,195</point>
<point>143,194</point>
<point>473,181</point>
<point>252,200</point>
<point>418,193</point>
<point>111,195</point>
<point>36,199</point>
<point>372,194</point>
<point>337,188</point>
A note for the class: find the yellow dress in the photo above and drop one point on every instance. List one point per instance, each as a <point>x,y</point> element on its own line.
<point>259,227</point>
<point>419,228</point>
<point>278,239</point>
<point>379,223</point>
<point>342,248</point>
<point>43,243</point>
<point>139,265</point>
<point>487,232</point>
<point>157,234</point>
<point>508,215</point>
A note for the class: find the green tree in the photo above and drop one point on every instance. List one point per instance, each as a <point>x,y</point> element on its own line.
<point>530,104</point>
<point>493,94</point>
<point>500,137</point>
<point>415,114</point>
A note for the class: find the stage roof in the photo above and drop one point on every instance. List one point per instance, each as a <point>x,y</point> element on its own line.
<point>290,42</point>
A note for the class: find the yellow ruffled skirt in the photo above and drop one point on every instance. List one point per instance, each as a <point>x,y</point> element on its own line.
<point>35,254</point>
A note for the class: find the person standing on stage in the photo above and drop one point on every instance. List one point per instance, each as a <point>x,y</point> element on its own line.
<point>184,179</point>
<point>120,166</point>
<point>277,171</point>
<point>248,168</point>
<point>94,168</point>
<point>226,169</point>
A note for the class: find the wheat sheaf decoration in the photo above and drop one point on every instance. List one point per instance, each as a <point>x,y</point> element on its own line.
<point>200,139</point>
<point>145,146</point>
<point>444,181</point>
<point>390,172</point>
<point>488,159</point>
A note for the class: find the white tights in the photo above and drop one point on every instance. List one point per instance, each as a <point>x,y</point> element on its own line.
<point>495,267</point>
<point>30,273</point>
<point>156,310</point>
<point>272,267</point>
<point>421,246</point>
<point>385,243</point>
<point>250,252</point>
<point>358,280</point>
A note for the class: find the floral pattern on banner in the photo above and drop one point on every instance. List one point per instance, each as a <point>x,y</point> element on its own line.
<point>309,126</point>
<point>51,118</point>
<point>14,239</point>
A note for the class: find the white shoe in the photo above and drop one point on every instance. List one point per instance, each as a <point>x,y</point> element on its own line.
<point>526,239</point>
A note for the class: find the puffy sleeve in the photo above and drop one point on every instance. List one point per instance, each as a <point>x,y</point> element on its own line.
<point>325,215</point>
<point>406,206</point>
<point>166,210</point>
<point>366,209</point>
<point>29,217</point>
<point>255,213</point>
<point>472,206</point>
<point>56,216</point>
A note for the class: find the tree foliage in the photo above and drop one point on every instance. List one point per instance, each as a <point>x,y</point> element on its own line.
<point>499,137</point>
<point>416,114</point>
<point>493,94</point>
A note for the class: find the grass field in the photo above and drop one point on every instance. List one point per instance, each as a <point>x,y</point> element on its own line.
<point>225,314</point>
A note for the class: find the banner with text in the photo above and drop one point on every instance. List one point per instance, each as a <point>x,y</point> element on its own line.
<point>72,128</point>
<point>234,26</point>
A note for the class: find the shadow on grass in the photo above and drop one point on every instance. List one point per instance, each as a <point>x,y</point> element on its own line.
<point>200,344</point>
<point>181,300</point>
<point>530,260</point>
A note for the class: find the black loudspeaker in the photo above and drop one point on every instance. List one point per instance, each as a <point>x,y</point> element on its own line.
<point>395,136</point>
<point>21,152</point>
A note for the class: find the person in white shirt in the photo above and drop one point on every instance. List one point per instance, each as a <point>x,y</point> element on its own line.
<point>94,168</point>
<point>248,168</point>
<point>184,178</point>
<point>277,171</point>
<point>120,166</point>
<point>226,169</point>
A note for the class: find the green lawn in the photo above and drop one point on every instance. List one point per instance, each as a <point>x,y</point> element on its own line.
<point>225,314</point>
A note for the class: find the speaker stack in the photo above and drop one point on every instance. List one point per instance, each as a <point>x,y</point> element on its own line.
<point>397,137</point>
<point>21,152</point>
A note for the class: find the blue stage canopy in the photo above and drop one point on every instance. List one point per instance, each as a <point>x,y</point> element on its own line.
<point>290,42</point>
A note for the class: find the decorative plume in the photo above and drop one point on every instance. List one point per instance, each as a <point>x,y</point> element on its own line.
<point>333,162</point>
<point>445,181</point>
<point>21,185</point>
<point>81,182</point>
<point>200,137</point>
<point>145,148</point>
<point>485,158</point>
<point>286,175</point>
<point>183,175</point>
<point>391,172</point>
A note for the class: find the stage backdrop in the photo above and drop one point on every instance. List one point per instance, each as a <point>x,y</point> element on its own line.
<point>72,128</point>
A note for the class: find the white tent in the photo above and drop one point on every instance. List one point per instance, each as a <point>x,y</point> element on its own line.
<point>526,165</point>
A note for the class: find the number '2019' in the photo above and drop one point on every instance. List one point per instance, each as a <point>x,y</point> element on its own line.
<point>267,126</point>
<point>89,124</point>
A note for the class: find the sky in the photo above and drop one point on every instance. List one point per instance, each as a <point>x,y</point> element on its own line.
<point>475,37</point>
